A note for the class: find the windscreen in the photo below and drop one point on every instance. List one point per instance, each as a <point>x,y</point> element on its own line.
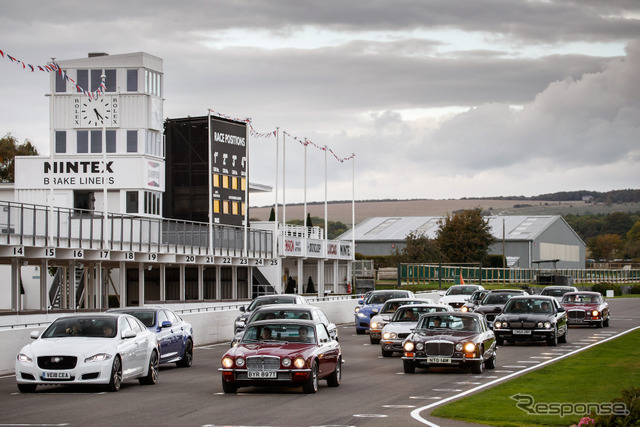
<point>82,327</point>
<point>278,332</point>
<point>449,321</point>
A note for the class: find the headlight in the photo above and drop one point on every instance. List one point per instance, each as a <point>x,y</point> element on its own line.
<point>469,347</point>
<point>419,346</point>
<point>386,336</point>
<point>547,325</point>
<point>459,347</point>
<point>299,362</point>
<point>239,362</point>
<point>362,315</point>
<point>408,346</point>
<point>357,309</point>
<point>497,325</point>
<point>100,357</point>
<point>539,325</point>
<point>239,323</point>
<point>286,362</point>
<point>464,309</point>
<point>24,358</point>
<point>374,325</point>
<point>227,362</point>
<point>594,313</point>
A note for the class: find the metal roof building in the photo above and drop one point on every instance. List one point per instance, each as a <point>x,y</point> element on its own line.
<point>528,241</point>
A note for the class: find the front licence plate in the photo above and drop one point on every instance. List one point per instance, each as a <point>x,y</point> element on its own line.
<point>521,332</point>
<point>56,375</point>
<point>262,374</point>
<point>438,360</point>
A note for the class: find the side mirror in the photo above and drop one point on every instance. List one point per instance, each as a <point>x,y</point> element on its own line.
<point>128,334</point>
<point>35,334</point>
<point>242,309</point>
<point>375,310</point>
<point>165,324</point>
<point>497,309</point>
<point>360,301</point>
<point>561,310</point>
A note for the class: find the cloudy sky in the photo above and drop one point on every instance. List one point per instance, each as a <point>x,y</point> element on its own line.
<point>437,99</point>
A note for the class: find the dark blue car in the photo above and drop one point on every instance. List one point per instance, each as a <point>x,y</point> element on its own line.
<point>371,305</point>
<point>175,336</point>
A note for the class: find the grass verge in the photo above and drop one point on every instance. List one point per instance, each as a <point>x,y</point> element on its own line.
<point>596,375</point>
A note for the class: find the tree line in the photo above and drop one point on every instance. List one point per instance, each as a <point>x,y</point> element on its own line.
<point>608,237</point>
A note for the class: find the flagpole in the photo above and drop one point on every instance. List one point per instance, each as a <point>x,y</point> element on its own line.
<point>275,236</point>
<point>210,179</point>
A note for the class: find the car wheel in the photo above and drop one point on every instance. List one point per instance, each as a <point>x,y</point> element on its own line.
<point>228,387</point>
<point>116,375</point>
<point>553,340</point>
<point>311,385</point>
<point>476,367</point>
<point>359,331</point>
<point>334,379</point>
<point>606,322</point>
<point>386,353</point>
<point>491,363</point>
<point>374,340</point>
<point>499,341</point>
<point>152,373</point>
<point>563,339</point>
<point>27,388</point>
<point>187,356</point>
<point>408,366</point>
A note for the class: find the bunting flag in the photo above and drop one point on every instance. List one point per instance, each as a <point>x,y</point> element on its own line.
<point>55,68</point>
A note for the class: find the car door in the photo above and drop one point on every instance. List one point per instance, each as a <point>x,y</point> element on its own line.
<point>328,352</point>
<point>127,348</point>
<point>177,333</point>
<point>561,318</point>
<point>164,336</point>
<point>141,345</point>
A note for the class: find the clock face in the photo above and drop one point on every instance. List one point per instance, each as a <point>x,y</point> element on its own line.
<point>96,112</point>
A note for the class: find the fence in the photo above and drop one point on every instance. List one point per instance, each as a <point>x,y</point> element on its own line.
<point>424,273</point>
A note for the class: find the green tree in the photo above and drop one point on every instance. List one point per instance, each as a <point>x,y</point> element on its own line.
<point>419,249</point>
<point>309,222</point>
<point>9,149</point>
<point>617,223</point>
<point>606,246</point>
<point>464,237</point>
<point>272,215</point>
<point>632,245</point>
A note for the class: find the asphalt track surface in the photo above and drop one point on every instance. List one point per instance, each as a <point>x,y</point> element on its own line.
<point>374,390</point>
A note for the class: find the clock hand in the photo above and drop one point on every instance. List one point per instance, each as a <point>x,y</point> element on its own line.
<point>97,114</point>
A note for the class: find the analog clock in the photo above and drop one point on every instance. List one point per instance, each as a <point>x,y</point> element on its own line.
<point>96,112</point>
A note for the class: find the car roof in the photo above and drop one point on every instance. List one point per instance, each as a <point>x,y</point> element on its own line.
<point>531,297</point>
<point>286,307</point>
<point>452,313</point>
<point>492,291</point>
<point>90,315</point>
<point>284,322</point>
<point>434,304</point>
<point>559,287</point>
<point>130,309</point>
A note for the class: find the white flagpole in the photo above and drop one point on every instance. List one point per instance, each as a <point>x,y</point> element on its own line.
<point>284,180</point>
<point>326,216</point>
<point>275,235</point>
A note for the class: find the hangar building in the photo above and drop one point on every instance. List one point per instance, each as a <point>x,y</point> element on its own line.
<point>528,240</point>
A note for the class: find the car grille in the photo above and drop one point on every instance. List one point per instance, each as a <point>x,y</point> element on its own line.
<point>576,314</point>
<point>456,304</point>
<point>490,317</point>
<point>57,362</point>
<point>522,325</point>
<point>439,348</point>
<point>263,363</point>
<point>403,335</point>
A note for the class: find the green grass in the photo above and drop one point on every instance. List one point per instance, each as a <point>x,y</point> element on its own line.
<point>595,375</point>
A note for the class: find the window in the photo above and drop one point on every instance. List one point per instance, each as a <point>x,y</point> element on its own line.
<point>234,208</point>
<point>216,180</point>
<point>132,80</point>
<point>61,141</point>
<point>152,83</point>
<point>225,181</point>
<point>154,143</point>
<point>242,208</point>
<point>96,79</point>
<point>82,78</point>
<point>132,141</point>
<point>225,207</point>
<point>82,141</point>
<point>234,183</point>
<point>242,183</point>
<point>110,82</point>
<point>216,206</point>
<point>152,202</point>
<point>132,201</point>
<point>111,141</point>
<point>61,84</point>
<point>96,141</point>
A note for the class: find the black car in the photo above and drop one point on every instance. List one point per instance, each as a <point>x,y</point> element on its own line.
<point>450,339</point>
<point>493,302</point>
<point>532,318</point>
<point>474,300</point>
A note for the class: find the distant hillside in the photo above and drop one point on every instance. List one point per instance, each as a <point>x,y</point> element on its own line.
<point>562,203</point>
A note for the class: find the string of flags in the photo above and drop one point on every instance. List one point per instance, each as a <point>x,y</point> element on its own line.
<point>305,142</point>
<point>54,68</point>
